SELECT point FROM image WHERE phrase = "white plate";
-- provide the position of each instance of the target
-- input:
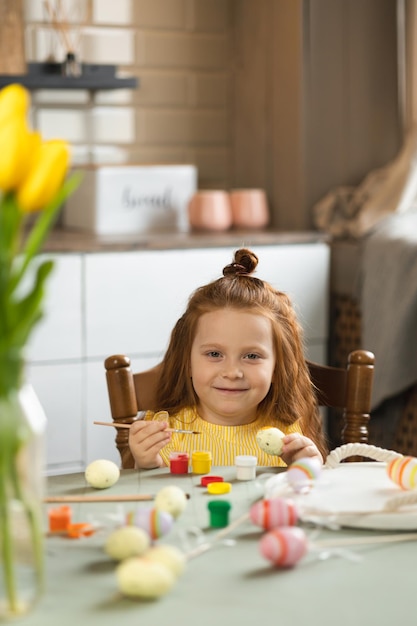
(354, 495)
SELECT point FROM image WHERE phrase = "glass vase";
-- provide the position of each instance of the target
(22, 428)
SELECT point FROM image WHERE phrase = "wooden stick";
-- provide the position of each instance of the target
(141, 497)
(169, 430)
(217, 537)
(352, 541)
(138, 497)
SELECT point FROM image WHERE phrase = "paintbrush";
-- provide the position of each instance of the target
(170, 430)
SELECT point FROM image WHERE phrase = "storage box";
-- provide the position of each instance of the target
(132, 199)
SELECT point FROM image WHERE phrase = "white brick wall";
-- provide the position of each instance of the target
(180, 50)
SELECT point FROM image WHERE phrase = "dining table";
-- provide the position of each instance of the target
(228, 583)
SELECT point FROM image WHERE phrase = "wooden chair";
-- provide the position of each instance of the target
(347, 388)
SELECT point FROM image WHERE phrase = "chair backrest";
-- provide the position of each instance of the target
(347, 388)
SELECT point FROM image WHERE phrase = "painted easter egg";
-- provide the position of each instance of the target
(101, 474)
(285, 546)
(171, 499)
(155, 523)
(403, 471)
(270, 440)
(139, 577)
(270, 514)
(302, 473)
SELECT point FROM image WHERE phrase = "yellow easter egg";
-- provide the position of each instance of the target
(170, 556)
(270, 440)
(171, 499)
(102, 474)
(139, 577)
(126, 542)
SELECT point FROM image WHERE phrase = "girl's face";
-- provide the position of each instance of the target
(232, 363)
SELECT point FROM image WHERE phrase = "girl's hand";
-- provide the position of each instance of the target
(146, 440)
(297, 446)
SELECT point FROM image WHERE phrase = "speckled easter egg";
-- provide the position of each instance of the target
(171, 499)
(403, 471)
(101, 474)
(302, 473)
(155, 523)
(127, 541)
(139, 577)
(285, 546)
(270, 514)
(270, 440)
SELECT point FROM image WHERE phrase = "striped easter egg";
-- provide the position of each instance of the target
(272, 513)
(155, 523)
(403, 471)
(285, 546)
(302, 473)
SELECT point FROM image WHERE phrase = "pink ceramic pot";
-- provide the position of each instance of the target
(210, 210)
(249, 208)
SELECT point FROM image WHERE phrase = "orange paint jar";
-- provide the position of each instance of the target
(59, 519)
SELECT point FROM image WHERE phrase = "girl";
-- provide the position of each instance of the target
(235, 364)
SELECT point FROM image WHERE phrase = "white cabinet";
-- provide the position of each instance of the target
(55, 365)
(58, 336)
(135, 307)
(60, 389)
(105, 303)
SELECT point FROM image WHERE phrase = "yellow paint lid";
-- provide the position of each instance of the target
(219, 488)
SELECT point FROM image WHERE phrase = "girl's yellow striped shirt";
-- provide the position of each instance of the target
(224, 442)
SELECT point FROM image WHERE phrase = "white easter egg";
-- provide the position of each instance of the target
(302, 474)
(171, 499)
(139, 577)
(170, 556)
(101, 474)
(155, 522)
(270, 440)
(403, 471)
(126, 541)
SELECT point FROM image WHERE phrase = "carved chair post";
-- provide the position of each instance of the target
(123, 402)
(360, 371)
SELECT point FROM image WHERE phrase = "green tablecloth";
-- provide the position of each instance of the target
(228, 584)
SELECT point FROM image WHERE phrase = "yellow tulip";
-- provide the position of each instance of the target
(17, 146)
(14, 102)
(49, 167)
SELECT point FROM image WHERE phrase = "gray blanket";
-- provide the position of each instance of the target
(388, 300)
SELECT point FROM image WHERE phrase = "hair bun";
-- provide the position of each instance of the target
(244, 263)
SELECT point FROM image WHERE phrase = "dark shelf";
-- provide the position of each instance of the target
(51, 76)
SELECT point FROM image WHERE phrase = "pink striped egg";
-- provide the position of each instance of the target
(302, 473)
(272, 513)
(403, 471)
(156, 523)
(285, 546)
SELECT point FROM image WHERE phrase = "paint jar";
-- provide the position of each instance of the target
(219, 513)
(201, 462)
(246, 467)
(178, 462)
(59, 519)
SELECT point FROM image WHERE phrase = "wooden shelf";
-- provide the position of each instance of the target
(51, 76)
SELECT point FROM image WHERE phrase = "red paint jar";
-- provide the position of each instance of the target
(178, 462)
